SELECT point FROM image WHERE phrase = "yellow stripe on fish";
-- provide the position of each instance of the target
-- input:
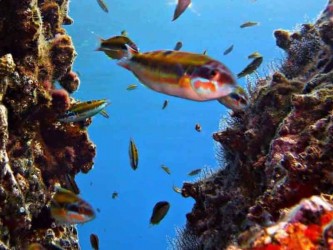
(182, 74)
(133, 154)
(83, 110)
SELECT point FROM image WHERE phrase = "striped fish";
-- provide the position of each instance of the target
(133, 155)
(83, 110)
(236, 100)
(114, 47)
(186, 75)
(66, 207)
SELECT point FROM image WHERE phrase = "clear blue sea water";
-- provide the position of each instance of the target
(162, 136)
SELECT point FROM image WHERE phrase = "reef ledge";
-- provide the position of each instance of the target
(36, 150)
(274, 191)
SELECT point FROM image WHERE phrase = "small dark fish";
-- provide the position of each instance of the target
(228, 50)
(248, 24)
(131, 86)
(178, 46)
(115, 195)
(176, 189)
(98, 210)
(133, 154)
(71, 184)
(165, 104)
(194, 172)
(254, 55)
(180, 8)
(159, 212)
(103, 5)
(198, 127)
(251, 67)
(94, 241)
(166, 169)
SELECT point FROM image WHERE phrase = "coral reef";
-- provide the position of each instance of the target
(276, 153)
(36, 150)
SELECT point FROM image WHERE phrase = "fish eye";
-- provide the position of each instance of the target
(213, 73)
(236, 97)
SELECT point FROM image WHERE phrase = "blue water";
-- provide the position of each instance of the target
(162, 136)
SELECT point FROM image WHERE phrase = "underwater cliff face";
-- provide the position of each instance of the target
(36, 150)
(278, 152)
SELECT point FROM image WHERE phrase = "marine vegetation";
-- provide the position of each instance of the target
(273, 190)
(38, 151)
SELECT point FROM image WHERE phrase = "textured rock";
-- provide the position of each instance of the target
(37, 151)
(277, 152)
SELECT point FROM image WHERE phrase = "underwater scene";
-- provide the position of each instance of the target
(171, 124)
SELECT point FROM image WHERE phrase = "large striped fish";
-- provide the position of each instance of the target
(187, 75)
(183, 74)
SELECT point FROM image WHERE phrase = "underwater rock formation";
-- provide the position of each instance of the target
(37, 151)
(276, 153)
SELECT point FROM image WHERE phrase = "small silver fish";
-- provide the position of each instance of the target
(178, 46)
(248, 24)
(131, 86)
(228, 50)
(159, 212)
(194, 172)
(180, 8)
(251, 67)
(103, 5)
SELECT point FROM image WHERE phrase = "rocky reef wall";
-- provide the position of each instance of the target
(37, 151)
(277, 153)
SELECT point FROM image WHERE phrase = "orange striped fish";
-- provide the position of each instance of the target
(67, 208)
(183, 74)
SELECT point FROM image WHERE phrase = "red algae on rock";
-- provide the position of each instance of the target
(37, 151)
(275, 154)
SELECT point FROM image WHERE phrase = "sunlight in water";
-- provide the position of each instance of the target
(191, 7)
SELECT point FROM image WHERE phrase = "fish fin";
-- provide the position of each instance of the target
(130, 51)
(100, 40)
(184, 81)
(104, 113)
(124, 61)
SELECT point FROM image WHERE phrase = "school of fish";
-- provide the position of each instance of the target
(187, 75)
